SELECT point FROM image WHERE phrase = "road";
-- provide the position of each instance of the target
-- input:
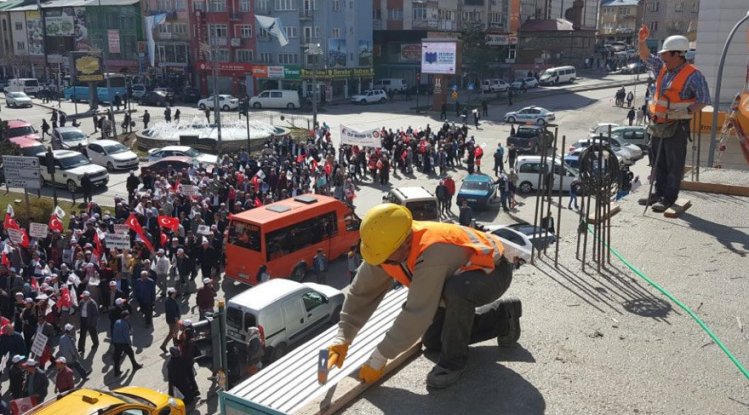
(576, 112)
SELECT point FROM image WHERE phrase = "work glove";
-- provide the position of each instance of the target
(339, 348)
(373, 370)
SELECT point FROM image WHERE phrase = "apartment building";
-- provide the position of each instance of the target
(619, 20)
(173, 52)
(670, 17)
(558, 9)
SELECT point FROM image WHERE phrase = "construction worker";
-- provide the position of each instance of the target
(680, 91)
(460, 267)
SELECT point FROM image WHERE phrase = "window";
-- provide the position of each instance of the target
(172, 53)
(335, 33)
(495, 19)
(282, 5)
(217, 31)
(300, 235)
(311, 33)
(244, 235)
(244, 31)
(288, 58)
(198, 5)
(679, 6)
(180, 5)
(179, 28)
(653, 6)
(377, 14)
(395, 14)
(262, 4)
(19, 26)
(266, 57)
(312, 300)
(308, 5)
(336, 5)
(20, 46)
(216, 5)
(292, 32)
(221, 55)
(166, 5)
(244, 55)
(420, 11)
(472, 16)
(448, 15)
(165, 28)
(654, 26)
(244, 6)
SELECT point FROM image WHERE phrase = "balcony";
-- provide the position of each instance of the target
(306, 14)
(434, 24)
(170, 14)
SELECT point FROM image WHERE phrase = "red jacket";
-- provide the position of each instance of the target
(450, 184)
(64, 380)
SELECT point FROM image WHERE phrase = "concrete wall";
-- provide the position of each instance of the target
(716, 18)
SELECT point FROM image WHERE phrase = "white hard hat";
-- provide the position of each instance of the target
(675, 44)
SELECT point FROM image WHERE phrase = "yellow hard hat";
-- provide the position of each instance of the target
(383, 230)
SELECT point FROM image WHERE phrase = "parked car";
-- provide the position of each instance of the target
(286, 311)
(166, 165)
(225, 102)
(528, 169)
(517, 246)
(28, 86)
(21, 129)
(112, 154)
(522, 231)
(18, 100)
(276, 98)
(634, 68)
(420, 201)
(28, 147)
(478, 190)
(390, 84)
(494, 86)
(138, 90)
(573, 159)
(70, 167)
(68, 138)
(530, 82)
(189, 95)
(531, 138)
(185, 151)
(155, 98)
(370, 96)
(530, 114)
(629, 152)
(128, 400)
(601, 128)
(635, 134)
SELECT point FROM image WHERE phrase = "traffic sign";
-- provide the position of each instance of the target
(22, 172)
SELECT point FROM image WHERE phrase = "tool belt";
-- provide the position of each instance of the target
(663, 130)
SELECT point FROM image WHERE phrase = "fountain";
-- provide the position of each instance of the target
(202, 136)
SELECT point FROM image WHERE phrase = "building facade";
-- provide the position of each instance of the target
(619, 20)
(558, 9)
(173, 51)
(716, 19)
(665, 18)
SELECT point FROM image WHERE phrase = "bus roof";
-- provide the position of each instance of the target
(285, 208)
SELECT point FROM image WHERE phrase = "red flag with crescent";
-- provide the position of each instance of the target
(134, 225)
(169, 222)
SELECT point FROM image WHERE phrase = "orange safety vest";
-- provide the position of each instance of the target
(670, 100)
(487, 248)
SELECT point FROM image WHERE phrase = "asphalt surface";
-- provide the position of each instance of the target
(591, 343)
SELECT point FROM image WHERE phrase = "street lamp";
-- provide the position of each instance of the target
(718, 82)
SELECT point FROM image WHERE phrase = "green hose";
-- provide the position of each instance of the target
(681, 305)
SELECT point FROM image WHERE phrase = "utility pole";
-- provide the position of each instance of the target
(216, 109)
(106, 70)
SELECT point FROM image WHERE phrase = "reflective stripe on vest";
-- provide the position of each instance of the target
(487, 248)
(661, 104)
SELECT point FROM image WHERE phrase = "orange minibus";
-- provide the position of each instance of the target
(285, 236)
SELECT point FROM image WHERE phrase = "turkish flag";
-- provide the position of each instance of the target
(65, 300)
(163, 240)
(134, 225)
(98, 247)
(10, 223)
(169, 222)
(55, 224)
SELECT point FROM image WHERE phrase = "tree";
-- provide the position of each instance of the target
(477, 55)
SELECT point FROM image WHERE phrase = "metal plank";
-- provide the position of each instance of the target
(291, 382)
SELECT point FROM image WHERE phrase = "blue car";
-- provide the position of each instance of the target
(477, 190)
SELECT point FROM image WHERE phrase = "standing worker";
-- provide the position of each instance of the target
(450, 271)
(680, 91)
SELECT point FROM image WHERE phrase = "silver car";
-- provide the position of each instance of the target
(68, 138)
(18, 100)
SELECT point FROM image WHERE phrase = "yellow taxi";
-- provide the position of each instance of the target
(130, 400)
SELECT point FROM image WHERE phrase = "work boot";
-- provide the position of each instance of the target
(661, 206)
(512, 310)
(647, 201)
(440, 377)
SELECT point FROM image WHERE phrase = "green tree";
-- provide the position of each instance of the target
(477, 55)
(6, 147)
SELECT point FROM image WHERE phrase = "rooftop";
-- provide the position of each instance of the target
(619, 3)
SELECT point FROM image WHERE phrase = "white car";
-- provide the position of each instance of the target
(530, 82)
(601, 128)
(370, 96)
(18, 100)
(138, 90)
(112, 154)
(184, 151)
(68, 138)
(225, 102)
(70, 166)
(494, 85)
(529, 115)
(628, 152)
(517, 246)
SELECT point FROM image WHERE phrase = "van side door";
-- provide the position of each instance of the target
(316, 307)
(294, 318)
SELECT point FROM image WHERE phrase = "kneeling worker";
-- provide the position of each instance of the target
(450, 270)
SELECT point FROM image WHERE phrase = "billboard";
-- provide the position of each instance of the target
(86, 67)
(438, 57)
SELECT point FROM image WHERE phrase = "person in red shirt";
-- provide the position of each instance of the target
(64, 380)
(450, 184)
(478, 153)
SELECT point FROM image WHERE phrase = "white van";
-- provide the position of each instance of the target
(285, 311)
(553, 76)
(390, 84)
(529, 167)
(494, 85)
(420, 201)
(276, 98)
(28, 85)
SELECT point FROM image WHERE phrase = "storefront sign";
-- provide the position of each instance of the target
(500, 40)
(338, 73)
(369, 138)
(227, 66)
(291, 72)
(86, 67)
(260, 71)
(275, 72)
(113, 37)
(410, 52)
